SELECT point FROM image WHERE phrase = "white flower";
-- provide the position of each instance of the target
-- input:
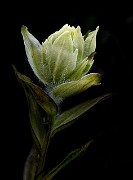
(63, 60)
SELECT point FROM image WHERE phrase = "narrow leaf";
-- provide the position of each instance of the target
(69, 158)
(68, 117)
(41, 97)
(38, 126)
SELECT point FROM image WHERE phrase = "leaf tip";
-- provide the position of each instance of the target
(23, 28)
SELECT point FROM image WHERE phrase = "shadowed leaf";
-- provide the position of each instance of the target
(38, 127)
(35, 103)
(41, 97)
(77, 153)
(70, 116)
(68, 89)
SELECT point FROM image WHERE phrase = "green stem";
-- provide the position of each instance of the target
(31, 165)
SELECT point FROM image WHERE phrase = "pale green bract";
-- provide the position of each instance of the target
(63, 60)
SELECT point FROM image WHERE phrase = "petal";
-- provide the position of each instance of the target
(82, 68)
(62, 57)
(77, 73)
(75, 87)
(90, 43)
(47, 59)
(78, 41)
(56, 34)
(34, 54)
(90, 61)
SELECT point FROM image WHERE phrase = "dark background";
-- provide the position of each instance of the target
(109, 123)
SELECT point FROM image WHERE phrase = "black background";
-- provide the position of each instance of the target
(109, 123)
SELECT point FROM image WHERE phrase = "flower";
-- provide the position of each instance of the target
(62, 62)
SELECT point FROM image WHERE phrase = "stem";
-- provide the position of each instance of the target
(31, 165)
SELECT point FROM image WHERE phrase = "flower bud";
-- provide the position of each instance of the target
(62, 62)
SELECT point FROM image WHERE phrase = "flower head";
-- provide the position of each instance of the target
(63, 60)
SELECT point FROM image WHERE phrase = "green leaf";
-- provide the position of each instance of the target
(38, 127)
(75, 87)
(41, 97)
(70, 116)
(69, 158)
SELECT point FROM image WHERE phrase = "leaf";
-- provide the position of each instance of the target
(41, 97)
(69, 158)
(38, 126)
(75, 87)
(70, 116)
